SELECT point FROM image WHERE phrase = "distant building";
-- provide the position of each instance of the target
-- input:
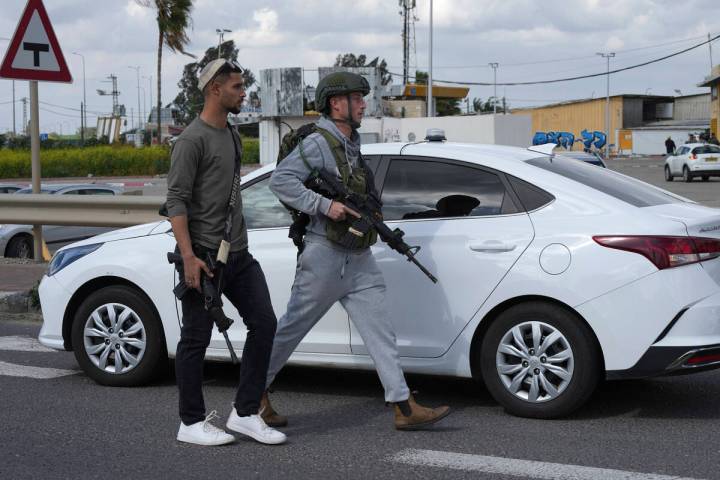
(639, 124)
(713, 81)
(168, 121)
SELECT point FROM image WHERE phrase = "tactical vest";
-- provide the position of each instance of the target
(355, 180)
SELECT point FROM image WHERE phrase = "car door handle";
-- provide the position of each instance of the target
(491, 246)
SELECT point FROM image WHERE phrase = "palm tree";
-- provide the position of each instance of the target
(173, 18)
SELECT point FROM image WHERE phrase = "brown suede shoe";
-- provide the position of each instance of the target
(269, 415)
(411, 416)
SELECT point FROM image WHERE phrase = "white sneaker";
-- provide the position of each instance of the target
(204, 433)
(254, 426)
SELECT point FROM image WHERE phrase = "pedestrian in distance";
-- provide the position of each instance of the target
(331, 269)
(207, 221)
(669, 146)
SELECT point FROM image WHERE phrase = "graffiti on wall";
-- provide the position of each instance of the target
(566, 140)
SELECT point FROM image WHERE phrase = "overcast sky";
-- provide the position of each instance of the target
(530, 40)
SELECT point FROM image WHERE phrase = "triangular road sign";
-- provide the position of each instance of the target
(34, 52)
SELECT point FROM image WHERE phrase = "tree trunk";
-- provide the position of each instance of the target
(159, 83)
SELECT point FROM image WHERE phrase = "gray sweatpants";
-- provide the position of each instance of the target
(326, 274)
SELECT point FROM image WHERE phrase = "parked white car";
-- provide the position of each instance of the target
(553, 274)
(17, 240)
(693, 160)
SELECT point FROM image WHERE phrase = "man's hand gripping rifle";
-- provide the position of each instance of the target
(369, 209)
(211, 295)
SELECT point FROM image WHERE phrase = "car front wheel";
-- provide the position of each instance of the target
(539, 360)
(668, 175)
(117, 338)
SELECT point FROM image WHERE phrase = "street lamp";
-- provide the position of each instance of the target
(608, 56)
(494, 66)
(221, 34)
(137, 72)
(430, 109)
(149, 78)
(84, 112)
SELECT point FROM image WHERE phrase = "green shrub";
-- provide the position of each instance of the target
(101, 161)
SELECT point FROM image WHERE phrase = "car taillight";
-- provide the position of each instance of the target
(666, 251)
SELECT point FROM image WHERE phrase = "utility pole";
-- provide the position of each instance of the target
(25, 121)
(710, 47)
(221, 34)
(408, 6)
(607, 56)
(83, 115)
(151, 105)
(137, 72)
(494, 66)
(430, 106)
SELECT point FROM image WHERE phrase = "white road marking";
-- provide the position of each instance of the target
(22, 344)
(41, 373)
(519, 468)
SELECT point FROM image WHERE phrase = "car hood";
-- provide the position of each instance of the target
(121, 234)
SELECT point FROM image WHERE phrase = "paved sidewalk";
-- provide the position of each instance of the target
(17, 278)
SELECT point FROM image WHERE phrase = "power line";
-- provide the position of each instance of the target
(539, 82)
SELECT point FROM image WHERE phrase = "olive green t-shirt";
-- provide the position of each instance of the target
(202, 167)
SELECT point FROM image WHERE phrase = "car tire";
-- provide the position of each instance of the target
(668, 175)
(686, 175)
(705, 178)
(560, 382)
(20, 246)
(129, 353)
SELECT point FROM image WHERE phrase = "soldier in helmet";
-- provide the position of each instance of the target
(329, 271)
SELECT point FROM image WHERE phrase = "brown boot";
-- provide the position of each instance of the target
(411, 416)
(269, 415)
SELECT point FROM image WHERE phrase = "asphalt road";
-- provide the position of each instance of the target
(70, 427)
(57, 423)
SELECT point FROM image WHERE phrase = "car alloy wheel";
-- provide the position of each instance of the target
(118, 338)
(539, 360)
(535, 362)
(114, 338)
(668, 175)
(20, 246)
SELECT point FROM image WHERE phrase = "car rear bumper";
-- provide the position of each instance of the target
(690, 343)
(659, 361)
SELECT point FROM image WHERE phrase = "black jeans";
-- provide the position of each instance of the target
(247, 290)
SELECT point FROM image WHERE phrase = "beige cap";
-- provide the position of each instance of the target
(211, 69)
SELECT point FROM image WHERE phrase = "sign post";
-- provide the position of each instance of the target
(34, 54)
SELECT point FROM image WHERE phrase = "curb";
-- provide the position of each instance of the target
(16, 302)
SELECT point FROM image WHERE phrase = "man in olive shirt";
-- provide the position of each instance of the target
(199, 185)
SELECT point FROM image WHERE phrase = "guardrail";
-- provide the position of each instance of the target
(87, 210)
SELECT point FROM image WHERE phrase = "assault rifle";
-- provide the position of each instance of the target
(211, 297)
(369, 209)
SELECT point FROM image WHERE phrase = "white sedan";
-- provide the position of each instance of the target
(553, 274)
(693, 160)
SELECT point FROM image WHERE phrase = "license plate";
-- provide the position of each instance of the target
(711, 159)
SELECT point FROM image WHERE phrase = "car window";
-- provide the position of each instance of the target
(372, 161)
(96, 191)
(261, 208)
(706, 149)
(531, 196)
(434, 189)
(611, 183)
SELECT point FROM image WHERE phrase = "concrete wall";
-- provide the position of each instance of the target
(652, 142)
(512, 130)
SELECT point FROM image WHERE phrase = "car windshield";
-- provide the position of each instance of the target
(611, 183)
